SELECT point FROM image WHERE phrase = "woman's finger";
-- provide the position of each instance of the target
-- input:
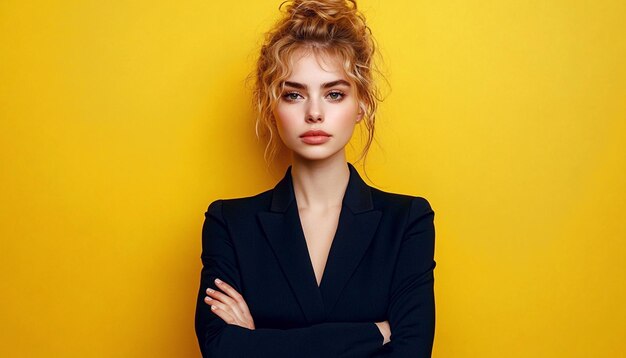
(220, 296)
(243, 312)
(229, 290)
(231, 305)
(234, 294)
(218, 308)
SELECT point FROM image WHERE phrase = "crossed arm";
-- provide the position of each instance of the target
(228, 330)
(232, 308)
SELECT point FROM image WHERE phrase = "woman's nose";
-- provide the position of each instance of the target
(314, 117)
(314, 112)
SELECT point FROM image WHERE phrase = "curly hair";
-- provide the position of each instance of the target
(332, 27)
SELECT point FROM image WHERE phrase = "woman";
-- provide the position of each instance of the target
(322, 265)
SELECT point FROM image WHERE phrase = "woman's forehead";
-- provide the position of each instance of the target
(327, 61)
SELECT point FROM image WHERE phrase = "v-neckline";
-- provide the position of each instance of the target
(306, 245)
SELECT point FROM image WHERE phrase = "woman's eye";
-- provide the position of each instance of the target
(291, 96)
(335, 96)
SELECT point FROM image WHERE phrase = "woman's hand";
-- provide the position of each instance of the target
(385, 330)
(229, 306)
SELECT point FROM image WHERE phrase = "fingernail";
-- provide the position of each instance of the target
(210, 290)
(213, 308)
(207, 298)
(218, 281)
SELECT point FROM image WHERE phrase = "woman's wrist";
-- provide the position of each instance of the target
(385, 331)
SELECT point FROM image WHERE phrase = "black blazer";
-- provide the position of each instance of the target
(380, 267)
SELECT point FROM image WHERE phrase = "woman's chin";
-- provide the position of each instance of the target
(315, 155)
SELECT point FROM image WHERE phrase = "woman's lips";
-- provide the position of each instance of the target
(315, 137)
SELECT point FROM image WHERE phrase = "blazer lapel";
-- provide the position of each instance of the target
(355, 230)
(284, 233)
(357, 224)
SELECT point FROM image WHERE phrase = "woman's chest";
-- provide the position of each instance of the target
(278, 278)
(281, 288)
(275, 303)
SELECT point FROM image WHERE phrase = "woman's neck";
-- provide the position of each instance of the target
(320, 184)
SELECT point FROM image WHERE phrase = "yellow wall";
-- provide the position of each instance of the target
(121, 120)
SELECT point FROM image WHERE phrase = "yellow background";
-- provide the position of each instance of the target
(120, 121)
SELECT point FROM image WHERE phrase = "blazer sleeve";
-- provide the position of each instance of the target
(411, 310)
(219, 339)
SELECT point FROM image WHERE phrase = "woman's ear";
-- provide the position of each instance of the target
(361, 113)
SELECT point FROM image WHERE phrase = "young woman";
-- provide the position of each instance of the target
(322, 265)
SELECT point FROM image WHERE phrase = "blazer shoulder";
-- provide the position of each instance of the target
(416, 211)
(413, 203)
(240, 205)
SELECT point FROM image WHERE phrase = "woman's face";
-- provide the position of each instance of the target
(317, 96)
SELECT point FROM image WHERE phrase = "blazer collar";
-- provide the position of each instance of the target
(357, 224)
(357, 197)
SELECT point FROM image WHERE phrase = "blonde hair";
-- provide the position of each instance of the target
(332, 27)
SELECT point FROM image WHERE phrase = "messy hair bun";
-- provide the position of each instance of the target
(333, 27)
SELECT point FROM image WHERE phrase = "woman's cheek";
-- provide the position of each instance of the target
(286, 125)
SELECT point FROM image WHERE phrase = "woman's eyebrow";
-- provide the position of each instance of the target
(324, 85)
